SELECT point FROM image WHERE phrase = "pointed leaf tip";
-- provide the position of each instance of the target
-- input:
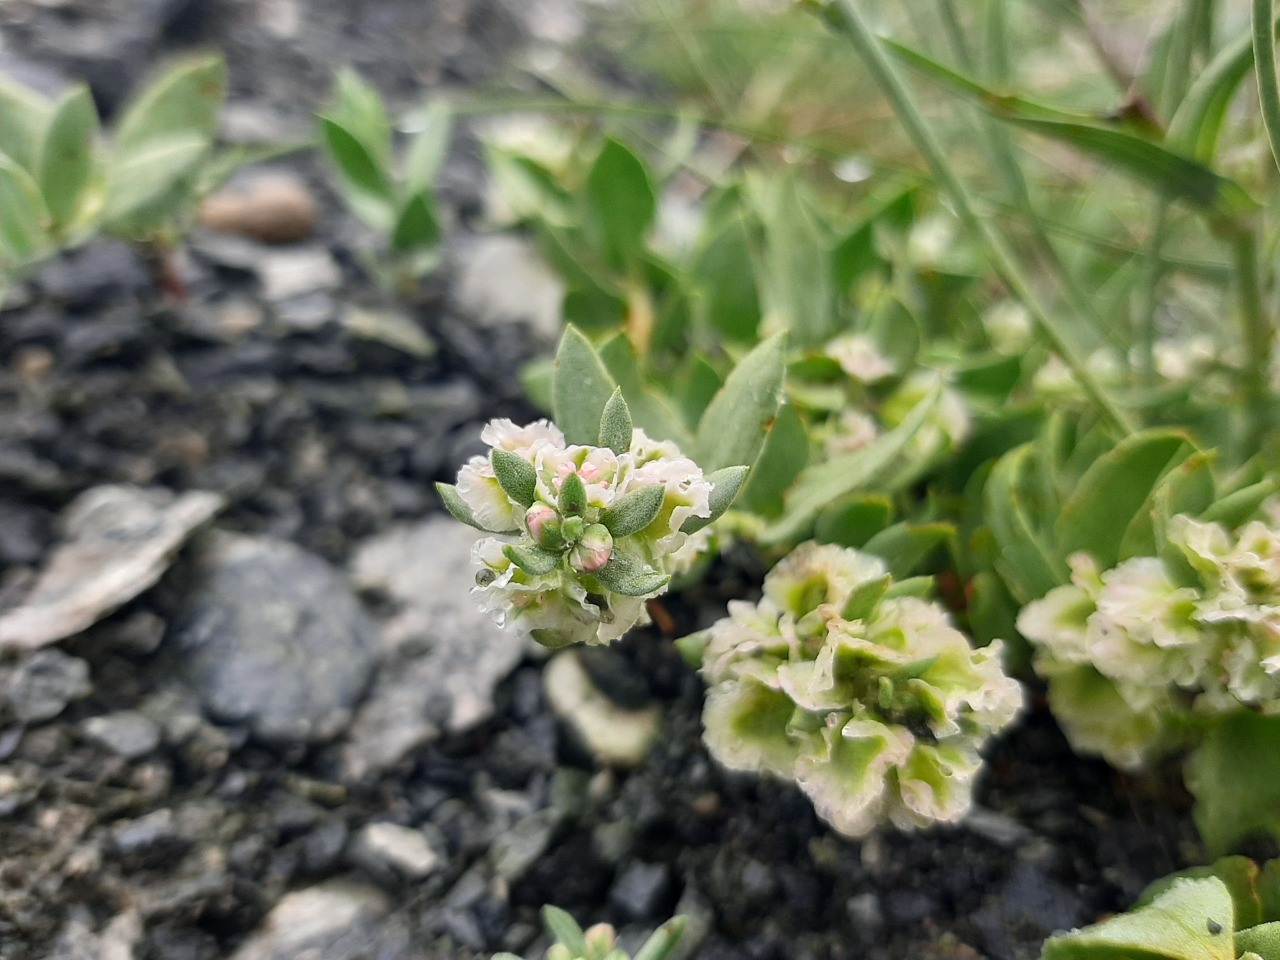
(515, 475)
(615, 424)
(635, 511)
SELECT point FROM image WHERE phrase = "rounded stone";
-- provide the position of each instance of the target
(272, 637)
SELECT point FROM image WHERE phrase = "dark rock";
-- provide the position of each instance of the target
(322, 847)
(1029, 906)
(272, 637)
(150, 839)
(641, 889)
(44, 683)
(100, 272)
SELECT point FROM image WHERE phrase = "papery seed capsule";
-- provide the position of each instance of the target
(594, 549)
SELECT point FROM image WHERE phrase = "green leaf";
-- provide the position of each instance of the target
(429, 146)
(634, 512)
(573, 496)
(904, 546)
(581, 389)
(623, 575)
(691, 648)
(1026, 563)
(416, 227)
(863, 598)
(1234, 775)
(725, 279)
(22, 213)
(734, 426)
(1165, 171)
(66, 157)
(621, 202)
(854, 257)
(362, 180)
(725, 484)
(826, 482)
(1243, 880)
(794, 272)
(615, 424)
(181, 104)
(24, 117)
(515, 475)
(663, 942)
(1197, 123)
(651, 409)
(145, 175)
(1192, 920)
(565, 929)
(852, 521)
(1240, 506)
(459, 510)
(1112, 492)
(1263, 940)
(357, 107)
(783, 458)
(531, 559)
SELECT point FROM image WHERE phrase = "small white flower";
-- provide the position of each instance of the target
(860, 358)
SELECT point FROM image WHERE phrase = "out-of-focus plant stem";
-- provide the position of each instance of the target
(850, 21)
(1264, 59)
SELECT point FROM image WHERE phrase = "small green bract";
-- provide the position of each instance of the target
(864, 695)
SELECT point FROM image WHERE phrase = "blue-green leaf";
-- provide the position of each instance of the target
(734, 426)
(66, 156)
(621, 201)
(615, 425)
(581, 388)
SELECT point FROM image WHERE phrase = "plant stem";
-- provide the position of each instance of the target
(1255, 334)
(998, 252)
(1150, 302)
(1264, 59)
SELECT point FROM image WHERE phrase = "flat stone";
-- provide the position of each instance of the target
(447, 656)
(391, 327)
(615, 736)
(129, 734)
(297, 271)
(272, 637)
(503, 279)
(118, 541)
(44, 683)
(320, 921)
(402, 850)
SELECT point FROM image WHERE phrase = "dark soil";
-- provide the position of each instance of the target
(323, 438)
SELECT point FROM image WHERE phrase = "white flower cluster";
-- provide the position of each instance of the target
(868, 698)
(588, 535)
(1135, 654)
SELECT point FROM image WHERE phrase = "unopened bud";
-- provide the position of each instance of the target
(572, 529)
(600, 939)
(594, 549)
(543, 524)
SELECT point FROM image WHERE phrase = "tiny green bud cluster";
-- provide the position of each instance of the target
(1135, 654)
(583, 534)
(600, 942)
(855, 688)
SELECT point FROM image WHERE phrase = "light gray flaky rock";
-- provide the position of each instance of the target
(118, 541)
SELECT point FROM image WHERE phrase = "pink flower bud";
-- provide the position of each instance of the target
(593, 550)
(543, 524)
